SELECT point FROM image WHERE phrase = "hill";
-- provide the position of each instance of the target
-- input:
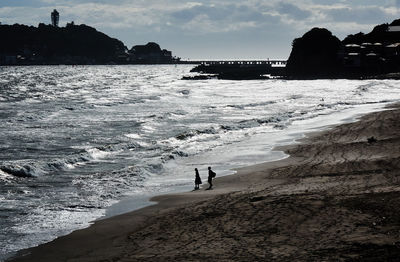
(320, 54)
(314, 54)
(46, 44)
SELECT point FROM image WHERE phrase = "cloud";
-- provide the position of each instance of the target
(216, 13)
(257, 24)
(201, 15)
(228, 12)
(361, 15)
(24, 15)
(293, 11)
(23, 3)
(212, 18)
(355, 3)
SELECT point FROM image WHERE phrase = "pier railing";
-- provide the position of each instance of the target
(242, 62)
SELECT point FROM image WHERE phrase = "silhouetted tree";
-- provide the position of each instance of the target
(380, 34)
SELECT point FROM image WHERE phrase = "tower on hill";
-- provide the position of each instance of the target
(55, 17)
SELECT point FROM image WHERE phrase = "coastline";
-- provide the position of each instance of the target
(131, 203)
(113, 237)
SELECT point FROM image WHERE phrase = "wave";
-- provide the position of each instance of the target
(4, 175)
(40, 168)
(116, 147)
(24, 168)
(133, 136)
(256, 122)
(97, 154)
(243, 106)
(192, 133)
(295, 97)
(282, 120)
(364, 88)
(185, 92)
(22, 171)
(181, 145)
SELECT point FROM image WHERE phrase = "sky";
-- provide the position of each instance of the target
(209, 29)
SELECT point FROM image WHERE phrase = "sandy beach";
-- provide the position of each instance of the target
(336, 198)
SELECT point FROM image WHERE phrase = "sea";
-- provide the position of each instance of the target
(82, 143)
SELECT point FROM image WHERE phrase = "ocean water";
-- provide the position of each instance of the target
(76, 140)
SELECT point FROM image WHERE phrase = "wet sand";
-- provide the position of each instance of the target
(337, 198)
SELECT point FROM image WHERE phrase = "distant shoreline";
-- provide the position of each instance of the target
(243, 76)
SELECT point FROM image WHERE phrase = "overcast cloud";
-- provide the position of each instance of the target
(209, 28)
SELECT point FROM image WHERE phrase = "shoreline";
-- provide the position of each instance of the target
(104, 230)
(277, 153)
(115, 229)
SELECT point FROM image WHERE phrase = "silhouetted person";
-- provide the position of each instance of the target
(197, 180)
(211, 175)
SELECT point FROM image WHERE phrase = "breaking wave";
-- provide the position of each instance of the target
(28, 168)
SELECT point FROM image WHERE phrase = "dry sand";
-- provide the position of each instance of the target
(337, 198)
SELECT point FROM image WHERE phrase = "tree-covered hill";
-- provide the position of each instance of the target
(320, 54)
(48, 44)
(380, 34)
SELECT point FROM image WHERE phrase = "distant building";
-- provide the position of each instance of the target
(392, 50)
(372, 57)
(352, 48)
(55, 18)
(352, 60)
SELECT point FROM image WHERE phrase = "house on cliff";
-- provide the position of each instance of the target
(392, 50)
(372, 56)
(375, 52)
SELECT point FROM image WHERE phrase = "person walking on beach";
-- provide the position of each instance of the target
(211, 175)
(197, 180)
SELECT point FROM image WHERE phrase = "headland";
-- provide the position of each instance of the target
(319, 54)
(73, 45)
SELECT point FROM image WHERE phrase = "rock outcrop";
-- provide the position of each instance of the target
(315, 54)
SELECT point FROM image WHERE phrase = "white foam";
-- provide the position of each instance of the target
(71, 166)
(4, 176)
(97, 154)
(133, 135)
(148, 128)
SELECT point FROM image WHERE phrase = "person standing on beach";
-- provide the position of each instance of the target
(197, 180)
(211, 175)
